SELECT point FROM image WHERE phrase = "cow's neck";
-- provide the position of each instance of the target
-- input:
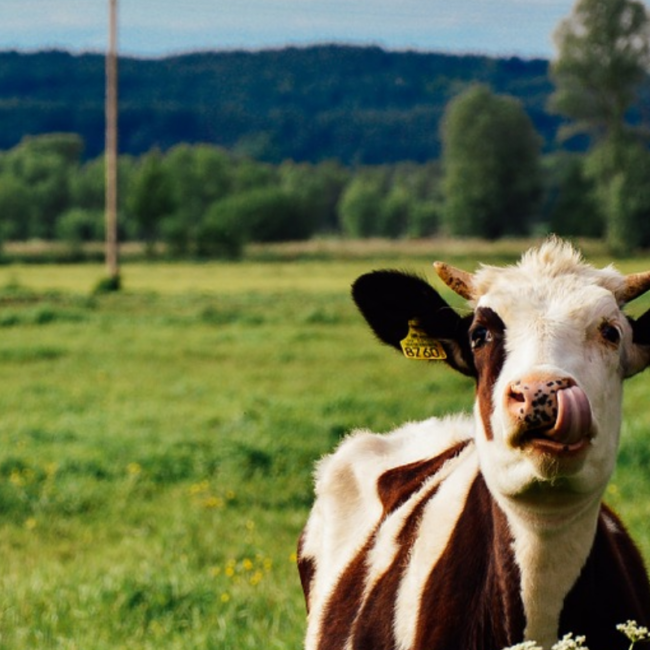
(550, 556)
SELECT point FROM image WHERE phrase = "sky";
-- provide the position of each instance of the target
(153, 28)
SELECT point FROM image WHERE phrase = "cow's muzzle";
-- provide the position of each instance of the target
(551, 414)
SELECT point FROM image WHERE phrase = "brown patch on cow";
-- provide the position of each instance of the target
(612, 588)
(396, 485)
(306, 569)
(488, 360)
(344, 603)
(472, 596)
(342, 612)
(374, 628)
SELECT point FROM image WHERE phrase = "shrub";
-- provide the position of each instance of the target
(78, 225)
(219, 236)
(263, 215)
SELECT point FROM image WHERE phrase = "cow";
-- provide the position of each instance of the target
(484, 530)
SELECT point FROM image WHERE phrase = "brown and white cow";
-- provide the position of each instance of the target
(479, 532)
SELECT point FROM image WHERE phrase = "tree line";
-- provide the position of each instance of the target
(202, 200)
(358, 105)
(493, 178)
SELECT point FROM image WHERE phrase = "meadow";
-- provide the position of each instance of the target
(158, 443)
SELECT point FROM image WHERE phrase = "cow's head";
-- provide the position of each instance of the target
(549, 348)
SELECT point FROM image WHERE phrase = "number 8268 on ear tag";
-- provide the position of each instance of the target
(418, 345)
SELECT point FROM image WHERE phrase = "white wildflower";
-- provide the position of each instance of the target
(526, 645)
(567, 642)
(633, 631)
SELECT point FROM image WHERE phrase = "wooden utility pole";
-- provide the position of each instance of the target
(112, 263)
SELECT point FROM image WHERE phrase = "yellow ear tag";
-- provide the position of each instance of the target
(418, 345)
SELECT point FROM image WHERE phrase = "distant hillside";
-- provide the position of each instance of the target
(356, 104)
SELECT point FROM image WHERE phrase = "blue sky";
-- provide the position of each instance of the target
(159, 27)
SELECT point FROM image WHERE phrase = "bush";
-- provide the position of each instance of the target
(263, 215)
(78, 225)
(219, 237)
(176, 234)
(424, 219)
(361, 205)
(395, 213)
(108, 284)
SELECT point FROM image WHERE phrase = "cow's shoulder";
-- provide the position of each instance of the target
(366, 464)
(367, 477)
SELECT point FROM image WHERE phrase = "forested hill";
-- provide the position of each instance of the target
(356, 104)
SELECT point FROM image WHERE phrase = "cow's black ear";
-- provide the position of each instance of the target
(390, 299)
(638, 357)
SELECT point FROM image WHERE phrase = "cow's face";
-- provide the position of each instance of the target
(549, 347)
(550, 354)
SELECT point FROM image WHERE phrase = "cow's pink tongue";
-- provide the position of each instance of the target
(573, 416)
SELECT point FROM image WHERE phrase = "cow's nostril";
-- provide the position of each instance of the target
(516, 395)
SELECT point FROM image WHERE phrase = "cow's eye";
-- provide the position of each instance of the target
(610, 333)
(479, 336)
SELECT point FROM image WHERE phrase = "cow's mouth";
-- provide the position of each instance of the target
(542, 442)
(572, 431)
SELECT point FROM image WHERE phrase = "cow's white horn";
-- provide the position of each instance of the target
(636, 284)
(456, 279)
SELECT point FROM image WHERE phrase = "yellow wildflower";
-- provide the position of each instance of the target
(198, 488)
(213, 502)
(16, 478)
(133, 469)
(256, 578)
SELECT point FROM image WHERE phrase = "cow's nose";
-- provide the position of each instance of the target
(550, 408)
(533, 401)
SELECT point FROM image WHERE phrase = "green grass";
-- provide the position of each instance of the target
(158, 444)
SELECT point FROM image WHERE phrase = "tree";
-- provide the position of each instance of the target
(572, 207)
(16, 208)
(603, 57)
(150, 198)
(492, 178)
(395, 213)
(46, 164)
(625, 197)
(318, 189)
(361, 203)
(198, 176)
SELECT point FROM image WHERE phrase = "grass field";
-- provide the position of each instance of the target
(158, 444)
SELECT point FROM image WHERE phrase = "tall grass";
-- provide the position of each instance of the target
(158, 445)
